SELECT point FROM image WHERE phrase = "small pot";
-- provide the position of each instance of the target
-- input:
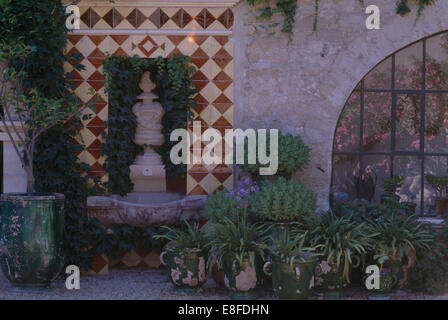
(387, 281)
(291, 282)
(330, 279)
(240, 278)
(186, 268)
(441, 206)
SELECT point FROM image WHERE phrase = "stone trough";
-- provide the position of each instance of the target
(144, 209)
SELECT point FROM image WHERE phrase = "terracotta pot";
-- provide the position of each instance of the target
(294, 282)
(186, 267)
(240, 278)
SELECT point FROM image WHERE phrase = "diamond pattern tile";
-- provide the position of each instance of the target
(156, 18)
(211, 55)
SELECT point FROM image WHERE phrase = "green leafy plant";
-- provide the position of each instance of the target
(289, 247)
(398, 237)
(293, 156)
(191, 238)
(236, 239)
(339, 239)
(175, 90)
(430, 273)
(220, 205)
(392, 184)
(283, 201)
(439, 183)
(403, 6)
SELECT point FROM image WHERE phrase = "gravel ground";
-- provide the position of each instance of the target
(150, 285)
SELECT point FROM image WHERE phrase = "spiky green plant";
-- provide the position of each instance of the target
(236, 238)
(339, 239)
(191, 238)
(283, 201)
(397, 237)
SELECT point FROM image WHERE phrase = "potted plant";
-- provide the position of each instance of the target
(31, 253)
(340, 241)
(391, 186)
(238, 246)
(395, 242)
(291, 266)
(185, 256)
(440, 185)
(282, 202)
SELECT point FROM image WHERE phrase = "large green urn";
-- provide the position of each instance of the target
(31, 238)
(292, 281)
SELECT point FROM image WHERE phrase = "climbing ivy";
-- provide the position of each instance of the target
(175, 90)
(57, 169)
(288, 8)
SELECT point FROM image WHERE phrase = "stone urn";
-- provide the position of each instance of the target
(148, 172)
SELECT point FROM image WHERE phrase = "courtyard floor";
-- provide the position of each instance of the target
(151, 284)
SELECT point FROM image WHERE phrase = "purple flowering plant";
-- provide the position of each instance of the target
(242, 192)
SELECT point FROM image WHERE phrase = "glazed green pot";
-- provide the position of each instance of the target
(330, 280)
(240, 278)
(186, 267)
(387, 280)
(31, 238)
(294, 282)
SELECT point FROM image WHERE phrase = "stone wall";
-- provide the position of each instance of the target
(302, 86)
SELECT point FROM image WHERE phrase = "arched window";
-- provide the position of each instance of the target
(396, 123)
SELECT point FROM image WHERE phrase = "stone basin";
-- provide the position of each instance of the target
(144, 209)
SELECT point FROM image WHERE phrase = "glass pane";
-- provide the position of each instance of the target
(436, 122)
(347, 132)
(345, 171)
(436, 62)
(407, 136)
(376, 168)
(377, 121)
(435, 166)
(380, 77)
(409, 67)
(410, 169)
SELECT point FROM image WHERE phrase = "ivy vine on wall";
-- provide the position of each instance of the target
(175, 90)
(288, 8)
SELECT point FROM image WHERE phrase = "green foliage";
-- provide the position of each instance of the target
(175, 90)
(288, 8)
(339, 239)
(192, 238)
(439, 183)
(430, 273)
(220, 205)
(42, 28)
(392, 184)
(398, 237)
(403, 6)
(293, 156)
(236, 239)
(283, 201)
(289, 247)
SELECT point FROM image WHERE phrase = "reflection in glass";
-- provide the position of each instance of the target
(436, 122)
(345, 171)
(347, 132)
(409, 67)
(407, 134)
(437, 166)
(410, 169)
(377, 121)
(375, 169)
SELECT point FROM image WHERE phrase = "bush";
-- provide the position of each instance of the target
(220, 205)
(283, 201)
(431, 269)
(293, 156)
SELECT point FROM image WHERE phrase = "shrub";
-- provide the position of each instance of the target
(392, 184)
(220, 205)
(293, 156)
(283, 201)
(430, 273)
(439, 183)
